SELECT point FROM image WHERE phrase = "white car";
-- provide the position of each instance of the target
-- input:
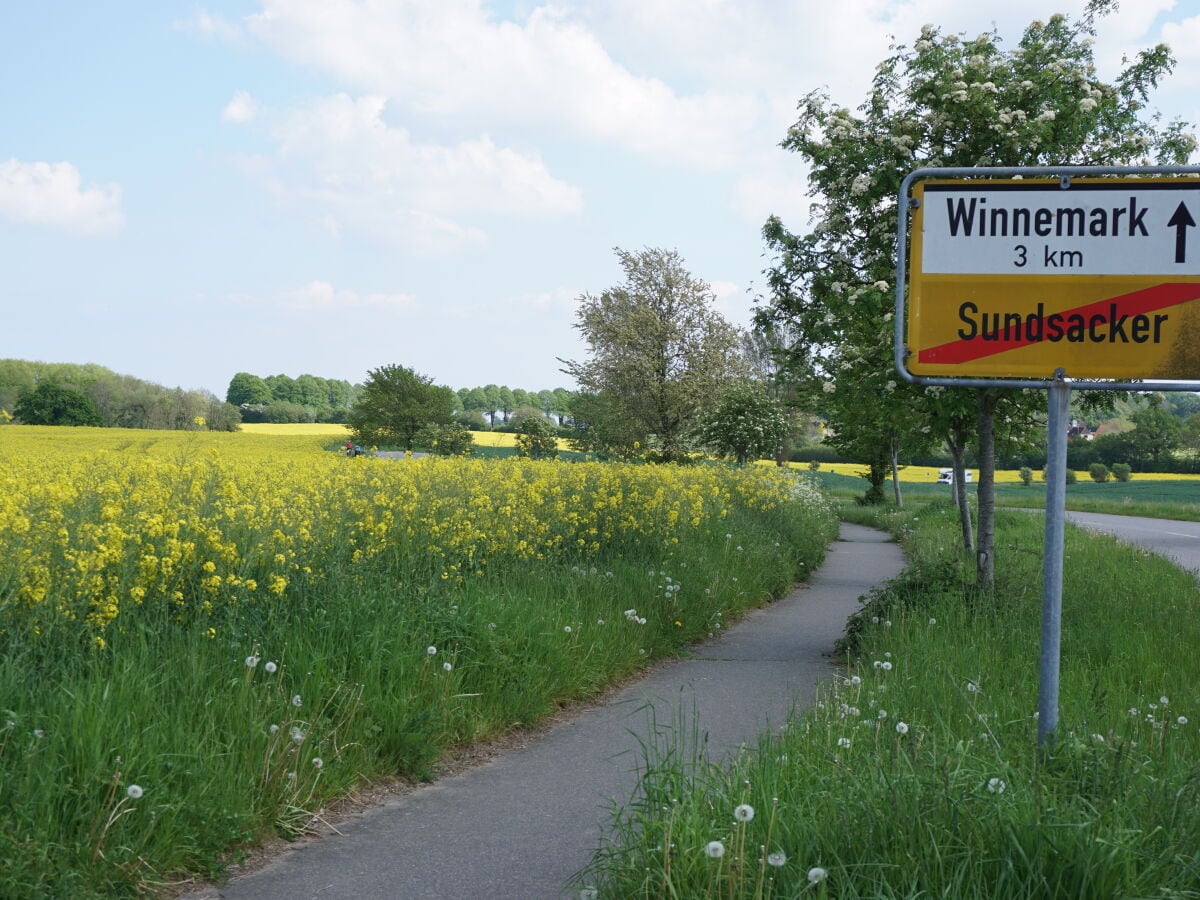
(946, 476)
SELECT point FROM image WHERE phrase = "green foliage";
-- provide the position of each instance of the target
(601, 428)
(659, 351)
(1099, 472)
(53, 404)
(1071, 477)
(745, 424)
(281, 398)
(945, 100)
(537, 439)
(1121, 471)
(395, 404)
(245, 388)
(121, 401)
(446, 440)
(1155, 433)
(1026, 475)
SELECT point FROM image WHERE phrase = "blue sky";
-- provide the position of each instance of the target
(190, 190)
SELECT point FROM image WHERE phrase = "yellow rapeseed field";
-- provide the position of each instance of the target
(97, 524)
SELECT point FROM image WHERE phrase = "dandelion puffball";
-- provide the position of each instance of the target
(715, 849)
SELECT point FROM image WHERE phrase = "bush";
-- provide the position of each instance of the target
(537, 439)
(1070, 476)
(1121, 471)
(446, 440)
(1099, 472)
(1026, 474)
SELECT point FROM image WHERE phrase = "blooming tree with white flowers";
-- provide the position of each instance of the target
(945, 101)
(746, 423)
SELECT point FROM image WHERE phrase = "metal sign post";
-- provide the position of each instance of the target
(1058, 397)
(1020, 275)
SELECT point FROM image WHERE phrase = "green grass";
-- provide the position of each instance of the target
(226, 753)
(1158, 499)
(1178, 500)
(956, 802)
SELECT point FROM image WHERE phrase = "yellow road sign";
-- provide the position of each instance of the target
(1017, 278)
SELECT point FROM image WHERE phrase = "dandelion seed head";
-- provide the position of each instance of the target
(1182, 720)
(843, 742)
(134, 792)
(251, 662)
(271, 668)
(714, 849)
(431, 650)
(273, 729)
(901, 728)
(297, 701)
(318, 763)
(447, 666)
(996, 786)
(743, 812)
(816, 875)
(776, 859)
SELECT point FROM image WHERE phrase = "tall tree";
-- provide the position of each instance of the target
(247, 388)
(659, 351)
(395, 404)
(507, 402)
(53, 404)
(747, 423)
(945, 101)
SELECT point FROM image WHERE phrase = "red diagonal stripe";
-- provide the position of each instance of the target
(1146, 300)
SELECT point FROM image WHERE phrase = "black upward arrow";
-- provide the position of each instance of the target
(1181, 221)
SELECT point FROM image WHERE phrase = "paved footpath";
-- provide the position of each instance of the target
(519, 826)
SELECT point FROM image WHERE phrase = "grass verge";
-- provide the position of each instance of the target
(207, 721)
(917, 773)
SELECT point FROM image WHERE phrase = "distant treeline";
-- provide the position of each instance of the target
(100, 396)
(97, 395)
(310, 398)
(281, 398)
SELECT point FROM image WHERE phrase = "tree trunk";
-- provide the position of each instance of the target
(896, 474)
(985, 568)
(958, 444)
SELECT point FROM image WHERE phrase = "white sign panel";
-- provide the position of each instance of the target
(1094, 227)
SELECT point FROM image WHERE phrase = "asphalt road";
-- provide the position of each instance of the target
(519, 826)
(1178, 541)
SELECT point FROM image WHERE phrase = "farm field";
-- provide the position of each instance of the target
(490, 439)
(204, 637)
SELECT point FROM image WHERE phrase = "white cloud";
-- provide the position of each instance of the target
(241, 108)
(210, 26)
(340, 162)
(321, 296)
(768, 191)
(53, 194)
(452, 58)
(1182, 38)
